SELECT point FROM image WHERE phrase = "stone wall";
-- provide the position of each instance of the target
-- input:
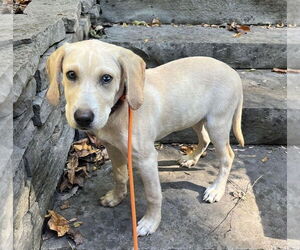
(41, 135)
(6, 189)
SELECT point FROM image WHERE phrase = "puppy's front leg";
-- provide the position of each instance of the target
(119, 167)
(147, 166)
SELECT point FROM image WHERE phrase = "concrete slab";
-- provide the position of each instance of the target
(187, 222)
(259, 48)
(196, 12)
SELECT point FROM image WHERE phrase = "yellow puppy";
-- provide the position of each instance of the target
(198, 92)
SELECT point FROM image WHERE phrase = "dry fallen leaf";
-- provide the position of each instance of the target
(280, 25)
(187, 149)
(243, 28)
(77, 223)
(237, 35)
(284, 71)
(22, 1)
(58, 223)
(265, 159)
(83, 149)
(140, 23)
(19, 5)
(71, 166)
(238, 29)
(155, 22)
(94, 140)
(81, 155)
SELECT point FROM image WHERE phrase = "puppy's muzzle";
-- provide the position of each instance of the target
(84, 118)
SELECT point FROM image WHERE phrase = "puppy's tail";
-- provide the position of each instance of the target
(237, 122)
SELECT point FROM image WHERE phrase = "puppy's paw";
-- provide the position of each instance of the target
(190, 160)
(214, 193)
(148, 225)
(112, 198)
(187, 161)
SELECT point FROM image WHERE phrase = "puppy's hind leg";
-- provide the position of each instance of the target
(203, 141)
(119, 167)
(220, 138)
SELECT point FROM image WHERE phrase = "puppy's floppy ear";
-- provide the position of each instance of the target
(133, 74)
(54, 68)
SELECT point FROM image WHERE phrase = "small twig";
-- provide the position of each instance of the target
(257, 180)
(229, 212)
(235, 205)
(230, 225)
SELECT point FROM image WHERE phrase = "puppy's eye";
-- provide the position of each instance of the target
(105, 79)
(71, 75)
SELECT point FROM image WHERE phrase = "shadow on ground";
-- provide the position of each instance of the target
(259, 221)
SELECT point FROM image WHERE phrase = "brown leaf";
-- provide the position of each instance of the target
(77, 224)
(94, 140)
(155, 22)
(280, 25)
(265, 159)
(187, 149)
(140, 23)
(65, 205)
(58, 223)
(243, 28)
(284, 71)
(238, 29)
(71, 166)
(23, 1)
(231, 27)
(83, 149)
(237, 35)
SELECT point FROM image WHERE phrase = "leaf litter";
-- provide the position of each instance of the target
(58, 223)
(85, 155)
(285, 71)
(238, 29)
(63, 227)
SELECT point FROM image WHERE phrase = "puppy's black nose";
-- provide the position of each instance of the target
(84, 118)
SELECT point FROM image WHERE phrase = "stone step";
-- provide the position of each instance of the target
(197, 12)
(264, 113)
(259, 48)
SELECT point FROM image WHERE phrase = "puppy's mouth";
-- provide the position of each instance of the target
(84, 128)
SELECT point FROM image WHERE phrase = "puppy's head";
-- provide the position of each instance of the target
(94, 75)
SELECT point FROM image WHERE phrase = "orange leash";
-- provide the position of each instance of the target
(131, 181)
